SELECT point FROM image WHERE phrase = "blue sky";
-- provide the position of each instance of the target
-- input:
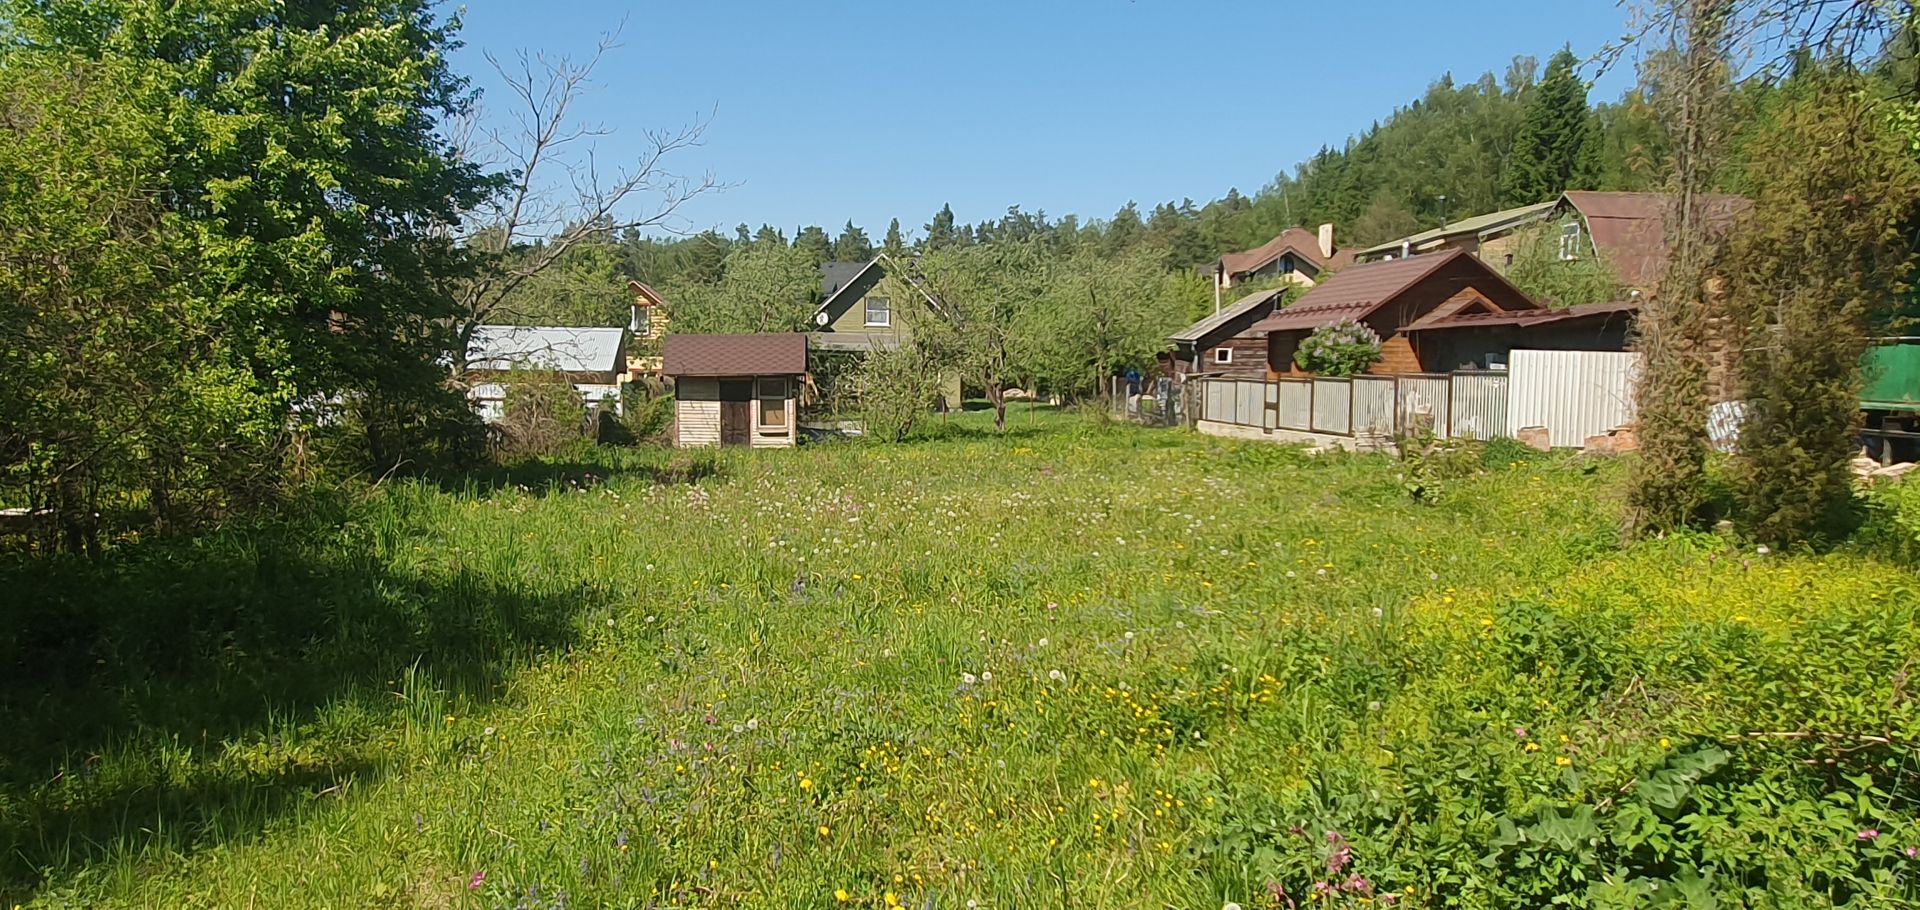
(824, 112)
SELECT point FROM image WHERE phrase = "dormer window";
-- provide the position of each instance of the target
(1570, 241)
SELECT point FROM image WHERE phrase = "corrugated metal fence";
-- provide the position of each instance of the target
(1574, 394)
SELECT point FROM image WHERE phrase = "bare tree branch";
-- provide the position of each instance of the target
(557, 194)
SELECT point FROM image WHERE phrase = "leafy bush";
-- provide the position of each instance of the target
(895, 388)
(543, 415)
(1345, 348)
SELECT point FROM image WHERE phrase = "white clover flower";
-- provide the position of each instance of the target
(969, 678)
(753, 723)
(986, 676)
(1043, 642)
(1762, 550)
(1056, 676)
(1129, 635)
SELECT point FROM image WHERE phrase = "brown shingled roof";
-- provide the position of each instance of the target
(766, 354)
(1355, 292)
(1300, 241)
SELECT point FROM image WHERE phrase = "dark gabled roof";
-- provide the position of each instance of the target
(1355, 292)
(841, 278)
(1296, 240)
(1528, 317)
(1193, 333)
(765, 354)
(837, 275)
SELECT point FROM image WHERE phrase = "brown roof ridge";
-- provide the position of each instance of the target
(1295, 238)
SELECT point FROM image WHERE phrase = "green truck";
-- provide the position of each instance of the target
(1890, 400)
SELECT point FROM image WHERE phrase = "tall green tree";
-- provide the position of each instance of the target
(852, 245)
(766, 288)
(980, 296)
(300, 150)
(1835, 166)
(812, 241)
(941, 230)
(894, 245)
(1556, 149)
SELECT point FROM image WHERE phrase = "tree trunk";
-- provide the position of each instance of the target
(998, 396)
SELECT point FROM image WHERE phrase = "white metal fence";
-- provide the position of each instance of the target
(1574, 394)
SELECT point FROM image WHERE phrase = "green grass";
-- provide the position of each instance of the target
(1072, 666)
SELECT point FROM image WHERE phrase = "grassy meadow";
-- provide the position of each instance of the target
(1070, 666)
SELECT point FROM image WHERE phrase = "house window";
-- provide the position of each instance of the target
(642, 320)
(1286, 264)
(1222, 355)
(772, 395)
(879, 311)
(1570, 241)
(1508, 260)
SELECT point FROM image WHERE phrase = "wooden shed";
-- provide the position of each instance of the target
(736, 390)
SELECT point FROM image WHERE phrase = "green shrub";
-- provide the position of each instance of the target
(1345, 348)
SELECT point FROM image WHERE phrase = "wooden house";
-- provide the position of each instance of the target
(649, 322)
(593, 360)
(1294, 255)
(1391, 297)
(736, 390)
(1220, 344)
(858, 313)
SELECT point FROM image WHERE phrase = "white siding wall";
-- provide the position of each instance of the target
(697, 408)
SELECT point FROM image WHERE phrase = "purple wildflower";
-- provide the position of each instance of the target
(1355, 883)
(1912, 852)
(1869, 834)
(1340, 855)
(1520, 732)
(474, 880)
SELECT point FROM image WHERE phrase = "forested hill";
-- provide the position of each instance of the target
(1459, 149)
(1444, 154)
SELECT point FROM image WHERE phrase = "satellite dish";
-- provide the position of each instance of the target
(820, 318)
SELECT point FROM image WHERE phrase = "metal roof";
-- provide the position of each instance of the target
(1355, 291)
(566, 349)
(1214, 321)
(1473, 225)
(763, 354)
(1527, 317)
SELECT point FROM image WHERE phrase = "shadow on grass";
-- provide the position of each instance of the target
(170, 694)
(592, 466)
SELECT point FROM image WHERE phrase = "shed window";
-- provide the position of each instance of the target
(879, 311)
(1570, 241)
(772, 395)
(1222, 355)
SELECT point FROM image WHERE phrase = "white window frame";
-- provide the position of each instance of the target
(761, 397)
(886, 315)
(642, 321)
(1222, 355)
(1570, 241)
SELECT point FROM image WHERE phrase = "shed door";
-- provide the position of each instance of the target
(736, 412)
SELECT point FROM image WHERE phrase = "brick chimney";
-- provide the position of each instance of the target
(1326, 241)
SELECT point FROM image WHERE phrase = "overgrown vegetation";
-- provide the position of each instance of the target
(987, 668)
